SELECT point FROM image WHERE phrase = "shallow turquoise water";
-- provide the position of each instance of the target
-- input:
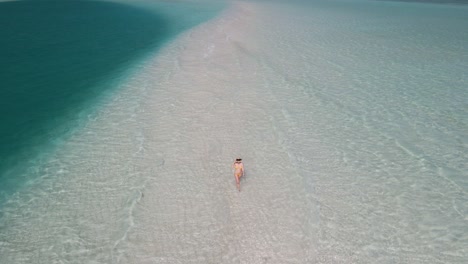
(354, 134)
(385, 88)
(59, 59)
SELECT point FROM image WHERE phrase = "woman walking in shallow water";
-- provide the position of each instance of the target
(238, 171)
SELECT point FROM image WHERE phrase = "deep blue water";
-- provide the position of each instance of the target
(57, 58)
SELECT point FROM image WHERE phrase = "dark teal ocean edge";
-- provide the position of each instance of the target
(57, 57)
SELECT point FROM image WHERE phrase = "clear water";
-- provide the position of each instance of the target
(383, 86)
(59, 59)
(351, 118)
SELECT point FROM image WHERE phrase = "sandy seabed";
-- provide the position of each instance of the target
(149, 179)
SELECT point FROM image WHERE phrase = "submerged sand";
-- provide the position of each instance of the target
(149, 179)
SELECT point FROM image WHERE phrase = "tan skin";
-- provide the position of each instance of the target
(238, 171)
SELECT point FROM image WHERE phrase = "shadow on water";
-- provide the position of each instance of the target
(54, 56)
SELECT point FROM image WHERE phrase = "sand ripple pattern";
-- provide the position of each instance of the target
(347, 158)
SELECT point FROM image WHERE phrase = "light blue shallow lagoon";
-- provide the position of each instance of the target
(59, 59)
(386, 84)
(119, 126)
